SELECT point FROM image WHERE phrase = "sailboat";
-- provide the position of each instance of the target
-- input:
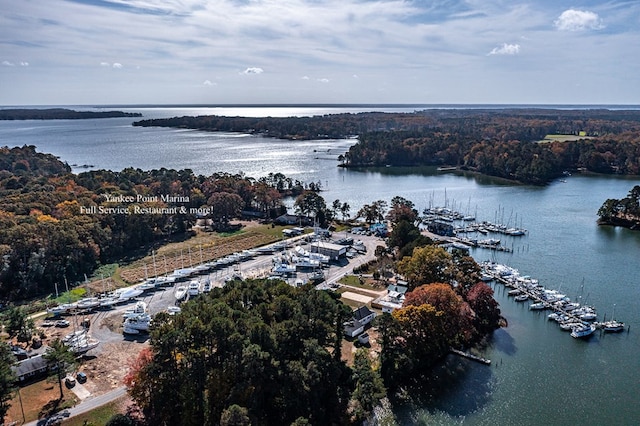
(612, 326)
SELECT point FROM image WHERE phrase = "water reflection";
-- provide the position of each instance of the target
(457, 387)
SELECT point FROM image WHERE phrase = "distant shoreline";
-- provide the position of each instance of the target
(59, 114)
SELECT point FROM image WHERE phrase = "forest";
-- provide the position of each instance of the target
(263, 352)
(506, 143)
(59, 114)
(52, 229)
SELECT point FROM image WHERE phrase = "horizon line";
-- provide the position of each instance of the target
(323, 105)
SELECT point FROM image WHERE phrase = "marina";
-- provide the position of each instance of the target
(570, 316)
(563, 245)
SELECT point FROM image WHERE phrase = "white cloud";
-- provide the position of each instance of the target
(24, 64)
(8, 64)
(209, 83)
(306, 77)
(323, 80)
(117, 65)
(578, 20)
(105, 64)
(253, 70)
(506, 49)
(355, 76)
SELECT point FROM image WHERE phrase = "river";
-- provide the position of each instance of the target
(539, 374)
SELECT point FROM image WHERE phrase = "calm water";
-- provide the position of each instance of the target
(540, 375)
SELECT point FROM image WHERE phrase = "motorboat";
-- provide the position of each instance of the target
(284, 269)
(163, 281)
(583, 330)
(130, 330)
(569, 325)
(537, 306)
(194, 288)
(172, 310)
(181, 292)
(139, 322)
(129, 293)
(139, 308)
(109, 302)
(62, 309)
(88, 303)
(147, 285)
(521, 298)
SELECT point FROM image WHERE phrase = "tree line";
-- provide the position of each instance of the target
(57, 226)
(503, 143)
(59, 114)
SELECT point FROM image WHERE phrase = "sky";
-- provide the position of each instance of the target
(115, 52)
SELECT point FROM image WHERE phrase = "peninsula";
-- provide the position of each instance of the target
(513, 144)
(59, 114)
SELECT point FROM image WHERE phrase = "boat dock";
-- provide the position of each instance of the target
(470, 356)
(571, 316)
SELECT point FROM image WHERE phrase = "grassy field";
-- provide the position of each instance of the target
(564, 138)
(100, 416)
(38, 400)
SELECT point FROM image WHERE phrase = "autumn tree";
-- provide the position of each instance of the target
(487, 312)
(456, 314)
(426, 265)
(225, 206)
(402, 210)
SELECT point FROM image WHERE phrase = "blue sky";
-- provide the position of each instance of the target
(76, 52)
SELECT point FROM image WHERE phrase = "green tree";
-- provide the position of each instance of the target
(428, 264)
(373, 212)
(61, 361)
(18, 324)
(369, 388)
(310, 203)
(120, 420)
(235, 415)
(7, 378)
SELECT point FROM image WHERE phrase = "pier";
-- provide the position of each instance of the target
(470, 356)
(571, 316)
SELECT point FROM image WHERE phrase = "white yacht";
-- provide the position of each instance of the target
(88, 303)
(140, 322)
(129, 293)
(181, 292)
(194, 288)
(584, 330)
(139, 308)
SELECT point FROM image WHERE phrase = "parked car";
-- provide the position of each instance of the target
(81, 377)
(70, 381)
